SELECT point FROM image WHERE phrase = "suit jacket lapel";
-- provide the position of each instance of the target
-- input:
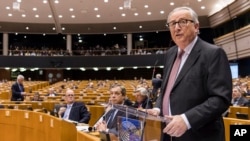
(193, 56)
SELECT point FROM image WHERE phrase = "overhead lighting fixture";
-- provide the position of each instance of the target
(106, 1)
(95, 69)
(16, 6)
(82, 69)
(108, 68)
(127, 4)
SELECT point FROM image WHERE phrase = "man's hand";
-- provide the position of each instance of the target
(153, 112)
(101, 126)
(176, 127)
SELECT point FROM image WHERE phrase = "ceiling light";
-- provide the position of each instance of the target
(108, 68)
(23, 15)
(172, 3)
(136, 14)
(95, 69)
(37, 16)
(114, 28)
(24, 37)
(98, 16)
(135, 67)
(19, 1)
(82, 69)
(53, 28)
(34, 9)
(71, 9)
(96, 9)
(106, 1)
(50, 16)
(9, 14)
(45, 1)
(140, 26)
(161, 67)
(68, 68)
(60, 16)
(63, 28)
(199, 0)
(123, 14)
(7, 68)
(8, 8)
(148, 67)
(16, 33)
(56, 1)
(44, 34)
(149, 13)
(16, 6)
(73, 16)
(145, 6)
(162, 12)
(127, 4)
(120, 8)
(27, 28)
(203, 7)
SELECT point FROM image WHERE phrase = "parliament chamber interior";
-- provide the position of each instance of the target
(72, 50)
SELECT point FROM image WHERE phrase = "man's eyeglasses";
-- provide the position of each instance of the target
(181, 23)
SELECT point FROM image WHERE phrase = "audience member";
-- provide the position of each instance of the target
(156, 83)
(238, 98)
(51, 92)
(74, 111)
(142, 99)
(17, 89)
(108, 122)
(36, 97)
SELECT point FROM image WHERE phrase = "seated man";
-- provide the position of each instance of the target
(108, 122)
(75, 111)
(36, 97)
(142, 99)
(51, 92)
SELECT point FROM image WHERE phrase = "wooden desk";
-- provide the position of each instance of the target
(17, 106)
(233, 110)
(19, 125)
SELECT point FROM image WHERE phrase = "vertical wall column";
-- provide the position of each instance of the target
(69, 43)
(129, 43)
(5, 43)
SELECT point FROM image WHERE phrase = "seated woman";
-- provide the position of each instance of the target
(142, 99)
(36, 97)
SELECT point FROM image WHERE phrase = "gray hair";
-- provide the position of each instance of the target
(190, 10)
(143, 91)
(20, 77)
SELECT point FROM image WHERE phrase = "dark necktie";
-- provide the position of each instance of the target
(109, 117)
(171, 81)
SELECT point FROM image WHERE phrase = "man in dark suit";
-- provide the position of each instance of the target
(156, 83)
(108, 123)
(17, 89)
(74, 111)
(195, 98)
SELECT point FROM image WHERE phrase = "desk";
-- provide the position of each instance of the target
(17, 106)
(233, 110)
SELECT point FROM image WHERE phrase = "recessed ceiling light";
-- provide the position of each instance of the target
(56, 1)
(149, 13)
(96, 9)
(9, 14)
(172, 3)
(23, 15)
(203, 7)
(60, 16)
(27, 28)
(34, 9)
(50, 16)
(162, 12)
(136, 14)
(16, 33)
(25, 37)
(199, 0)
(44, 34)
(37, 16)
(71, 9)
(45, 1)
(53, 28)
(114, 28)
(123, 14)
(120, 8)
(98, 16)
(19, 1)
(140, 26)
(63, 28)
(7, 7)
(145, 6)
(104, 34)
(106, 1)
(73, 16)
